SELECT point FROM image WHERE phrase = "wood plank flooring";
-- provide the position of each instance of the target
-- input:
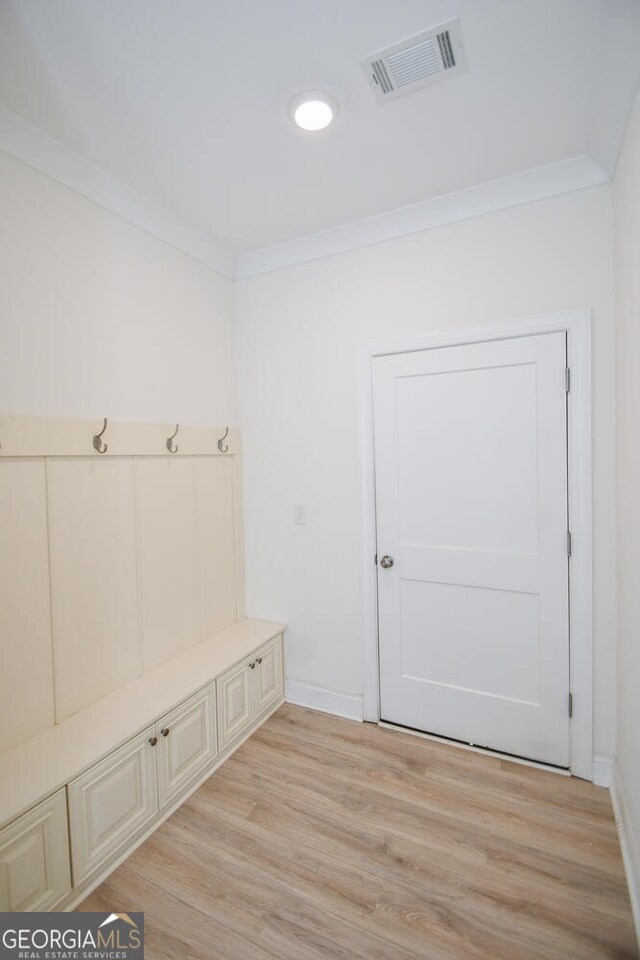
(324, 838)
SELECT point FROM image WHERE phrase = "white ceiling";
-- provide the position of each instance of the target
(185, 101)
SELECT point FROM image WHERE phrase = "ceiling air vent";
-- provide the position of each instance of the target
(417, 62)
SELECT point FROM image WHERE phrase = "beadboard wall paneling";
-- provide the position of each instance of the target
(26, 677)
(214, 482)
(93, 579)
(169, 579)
(110, 564)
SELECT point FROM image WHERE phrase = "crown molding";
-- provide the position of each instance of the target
(540, 183)
(37, 149)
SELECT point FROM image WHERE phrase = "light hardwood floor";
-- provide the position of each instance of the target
(324, 838)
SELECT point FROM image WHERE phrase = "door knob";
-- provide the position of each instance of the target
(386, 562)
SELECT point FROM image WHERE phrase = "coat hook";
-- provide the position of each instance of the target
(222, 446)
(171, 446)
(97, 440)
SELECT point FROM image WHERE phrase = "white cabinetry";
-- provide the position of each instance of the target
(268, 680)
(235, 708)
(128, 761)
(248, 691)
(111, 803)
(34, 858)
(187, 744)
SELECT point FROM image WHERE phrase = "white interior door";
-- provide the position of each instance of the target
(471, 501)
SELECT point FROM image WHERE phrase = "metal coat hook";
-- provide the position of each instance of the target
(97, 440)
(222, 446)
(171, 446)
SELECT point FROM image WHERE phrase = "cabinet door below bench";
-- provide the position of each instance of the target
(34, 858)
(268, 684)
(112, 803)
(248, 692)
(187, 744)
(235, 706)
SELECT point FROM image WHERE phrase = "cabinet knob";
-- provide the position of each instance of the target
(258, 659)
(153, 741)
(253, 665)
(165, 731)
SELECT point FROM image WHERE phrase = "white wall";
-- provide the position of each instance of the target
(99, 318)
(626, 209)
(299, 331)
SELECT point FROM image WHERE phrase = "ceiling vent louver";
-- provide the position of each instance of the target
(417, 62)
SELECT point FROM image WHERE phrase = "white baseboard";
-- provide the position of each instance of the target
(319, 698)
(602, 770)
(629, 842)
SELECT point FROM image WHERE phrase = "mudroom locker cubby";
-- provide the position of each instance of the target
(129, 669)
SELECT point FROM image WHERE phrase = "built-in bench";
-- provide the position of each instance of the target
(116, 769)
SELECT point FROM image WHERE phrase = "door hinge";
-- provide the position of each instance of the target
(567, 379)
(375, 560)
(570, 705)
(568, 543)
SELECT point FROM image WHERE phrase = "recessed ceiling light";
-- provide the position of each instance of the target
(313, 110)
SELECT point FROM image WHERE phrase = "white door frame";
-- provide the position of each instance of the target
(577, 325)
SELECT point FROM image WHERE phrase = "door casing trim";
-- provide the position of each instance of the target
(577, 325)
